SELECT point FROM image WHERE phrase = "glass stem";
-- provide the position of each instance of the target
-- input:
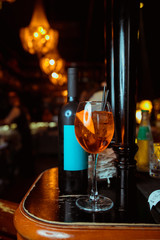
(94, 191)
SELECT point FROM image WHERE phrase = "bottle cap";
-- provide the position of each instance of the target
(144, 110)
(72, 81)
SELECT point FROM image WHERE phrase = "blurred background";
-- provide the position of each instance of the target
(38, 41)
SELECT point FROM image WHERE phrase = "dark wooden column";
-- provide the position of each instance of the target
(121, 46)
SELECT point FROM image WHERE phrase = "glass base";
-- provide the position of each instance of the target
(102, 204)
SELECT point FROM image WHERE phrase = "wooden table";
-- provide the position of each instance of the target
(7, 229)
(45, 214)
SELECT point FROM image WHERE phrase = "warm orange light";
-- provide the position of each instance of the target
(38, 37)
(54, 66)
(158, 116)
(46, 62)
(42, 30)
(146, 105)
(52, 62)
(65, 93)
(143, 105)
(47, 37)
(55, 75)
(36, 34)
(58, 79)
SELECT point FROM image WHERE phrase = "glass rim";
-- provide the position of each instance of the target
(99, 101)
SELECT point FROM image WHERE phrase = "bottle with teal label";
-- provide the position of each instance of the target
(145, 143)
(73, 160)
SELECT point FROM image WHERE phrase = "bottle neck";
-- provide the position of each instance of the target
(72, 99)
(72, 83)
(145, 119)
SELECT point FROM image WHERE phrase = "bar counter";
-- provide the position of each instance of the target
(45, 214)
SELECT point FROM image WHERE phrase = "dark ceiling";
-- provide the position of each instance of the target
(81, 38)
(80, 26)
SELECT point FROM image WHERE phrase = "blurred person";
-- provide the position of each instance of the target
(17, 114)
(89, 90)
(98, 95)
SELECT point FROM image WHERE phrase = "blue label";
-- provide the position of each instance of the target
(75, 158)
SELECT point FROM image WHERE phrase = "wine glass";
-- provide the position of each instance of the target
(94, 129)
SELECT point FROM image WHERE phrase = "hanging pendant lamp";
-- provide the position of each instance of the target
(39, 38)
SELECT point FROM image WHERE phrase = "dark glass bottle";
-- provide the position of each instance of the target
(73, 160)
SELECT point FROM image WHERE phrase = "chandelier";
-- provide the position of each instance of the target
(39, 37)
(54, 66)
(58, 78)
(52, 62)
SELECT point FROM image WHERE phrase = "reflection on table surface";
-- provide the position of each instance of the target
(45, 203)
